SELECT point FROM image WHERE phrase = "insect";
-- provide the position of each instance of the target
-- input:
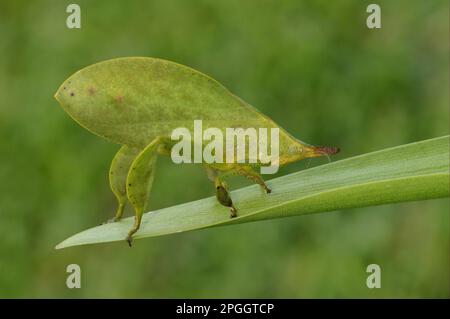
(137, 102)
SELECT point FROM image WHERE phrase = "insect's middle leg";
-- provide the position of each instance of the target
(222, 194)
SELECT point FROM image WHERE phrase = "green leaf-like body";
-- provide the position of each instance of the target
(133, 100)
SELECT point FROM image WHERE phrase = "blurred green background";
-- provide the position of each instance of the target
(312, 66)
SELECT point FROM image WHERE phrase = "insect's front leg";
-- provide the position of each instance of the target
(254, 176)
(139, 182)
(118, 172)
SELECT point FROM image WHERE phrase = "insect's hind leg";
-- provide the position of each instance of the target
(139, 182)
(222, 194)
(118, 172)
(249, 173)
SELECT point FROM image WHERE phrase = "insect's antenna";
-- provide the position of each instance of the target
(328, 156)
(325, 154)
(308, 163)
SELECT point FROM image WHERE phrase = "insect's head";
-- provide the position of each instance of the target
(316, 151)
(299, 150)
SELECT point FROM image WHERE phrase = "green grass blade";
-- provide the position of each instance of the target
(411, 172)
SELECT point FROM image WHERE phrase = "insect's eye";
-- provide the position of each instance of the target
(292, 149)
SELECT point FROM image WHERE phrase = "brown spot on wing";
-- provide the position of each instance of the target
(118, 99)
(91, 90)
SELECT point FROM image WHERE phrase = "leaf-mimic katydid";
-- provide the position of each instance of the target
(137, 102)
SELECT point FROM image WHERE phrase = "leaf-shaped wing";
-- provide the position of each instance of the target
(132, 100)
